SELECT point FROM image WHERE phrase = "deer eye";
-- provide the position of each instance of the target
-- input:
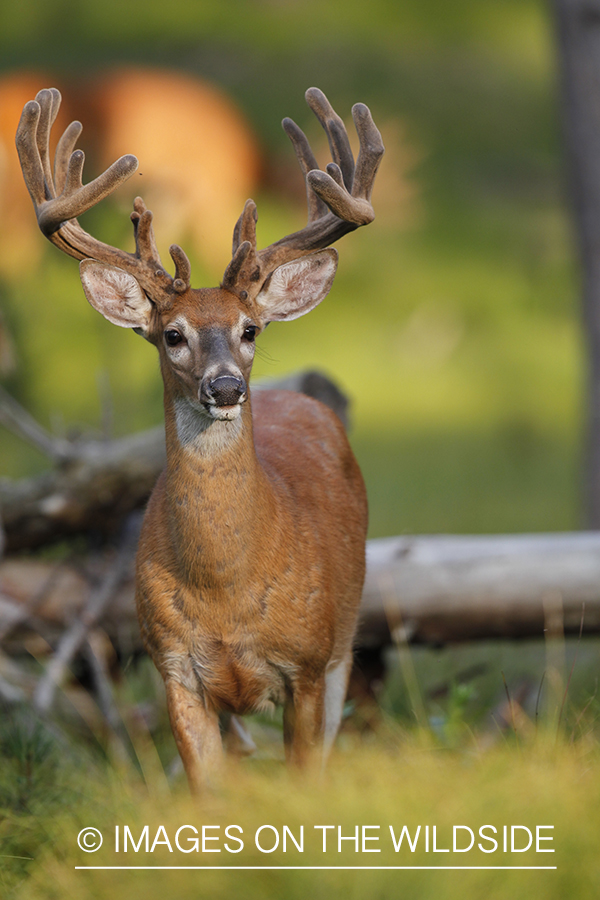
(250, 333)
(173, 337)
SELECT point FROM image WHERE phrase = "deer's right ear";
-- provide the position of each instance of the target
(116, 294)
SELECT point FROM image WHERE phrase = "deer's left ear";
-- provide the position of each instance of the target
(295, 288)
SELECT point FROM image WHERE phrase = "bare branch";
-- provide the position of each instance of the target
(104, 692)
(73, 639)
(14, 417)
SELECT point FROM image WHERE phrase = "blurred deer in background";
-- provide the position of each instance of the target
(252, 554)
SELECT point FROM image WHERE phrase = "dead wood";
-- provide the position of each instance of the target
(442, 588)
(432, 589)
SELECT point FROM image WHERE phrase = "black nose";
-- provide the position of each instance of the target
(225, 390)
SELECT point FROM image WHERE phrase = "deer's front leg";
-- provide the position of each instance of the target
(303, 720)
(197, 733)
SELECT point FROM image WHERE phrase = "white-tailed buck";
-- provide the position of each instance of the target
(252, 554)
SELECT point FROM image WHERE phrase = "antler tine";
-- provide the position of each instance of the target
(29, 154)
(336, 133)
(233, 270)
(183, 269)
(306, 158)
(49, 101)
(64, 149)
(145, 242)
(244, 263)
(244, 248)
(236, 234)
(355, 211)
(370, 153)
(245, 227)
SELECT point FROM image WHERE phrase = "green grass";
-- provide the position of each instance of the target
(406, 778)
(443, 747)
(474, 759)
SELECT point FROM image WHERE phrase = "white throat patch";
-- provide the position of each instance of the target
(199, 432)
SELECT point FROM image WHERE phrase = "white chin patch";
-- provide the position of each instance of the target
(225, 413)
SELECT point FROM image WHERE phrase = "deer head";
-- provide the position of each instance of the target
(205, 337)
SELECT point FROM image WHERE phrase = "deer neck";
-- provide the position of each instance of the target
(220, 502)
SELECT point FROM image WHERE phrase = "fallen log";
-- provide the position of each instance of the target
(92, 490)
(430, 589)
(442, 588)
(40, 600)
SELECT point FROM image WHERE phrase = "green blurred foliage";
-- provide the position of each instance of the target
(264, 24)
(453, 323)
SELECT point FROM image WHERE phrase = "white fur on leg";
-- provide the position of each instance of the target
(336, 683)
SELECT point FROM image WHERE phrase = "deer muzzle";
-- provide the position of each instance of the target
(222, 392)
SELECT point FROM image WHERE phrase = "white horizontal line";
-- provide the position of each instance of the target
(345, 868)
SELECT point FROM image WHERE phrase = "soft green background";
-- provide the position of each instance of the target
(454, 321)
(454, 324)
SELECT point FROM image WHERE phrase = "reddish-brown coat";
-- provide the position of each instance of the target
(251, 565)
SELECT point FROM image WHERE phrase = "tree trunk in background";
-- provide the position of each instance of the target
(578, 29)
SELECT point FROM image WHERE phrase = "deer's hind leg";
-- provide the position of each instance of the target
(336, 686)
